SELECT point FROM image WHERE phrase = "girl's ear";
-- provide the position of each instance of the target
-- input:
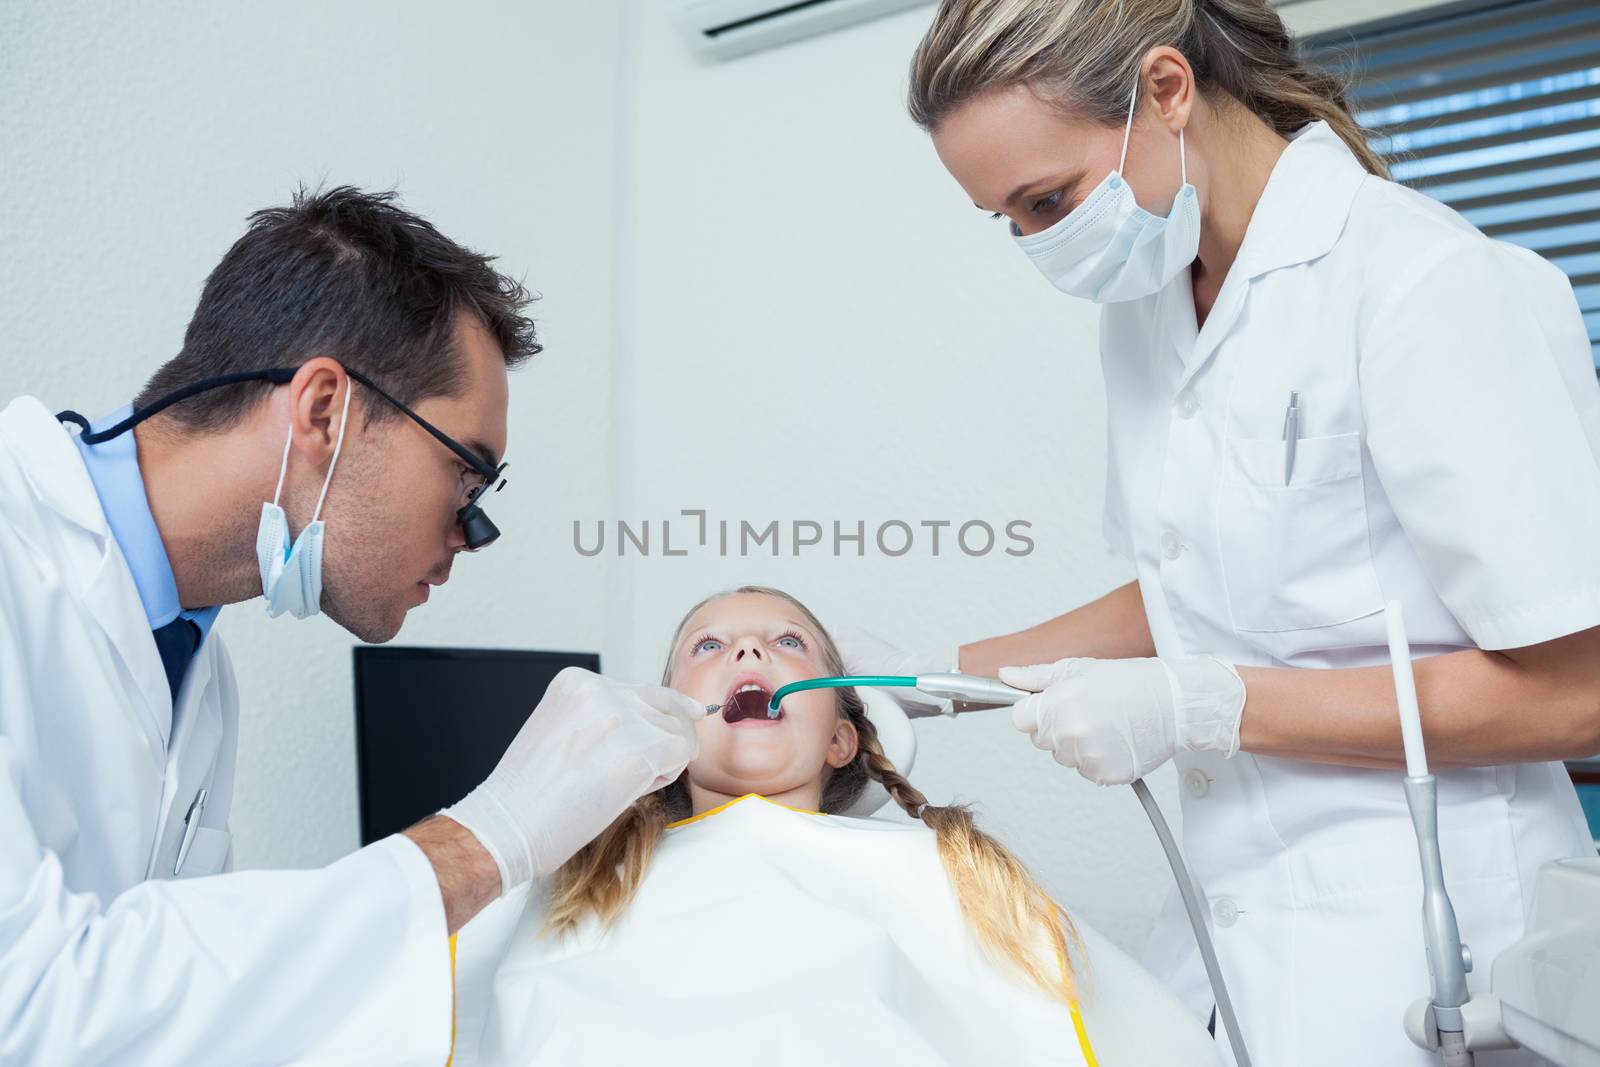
(844, 745)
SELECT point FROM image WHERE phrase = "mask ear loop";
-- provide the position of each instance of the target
(1127, 127)
(283, 468)
(338, 444)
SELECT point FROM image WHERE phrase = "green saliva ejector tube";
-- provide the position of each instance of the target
(967, 688)
(837, 682)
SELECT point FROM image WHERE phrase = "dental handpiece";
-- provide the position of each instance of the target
(970, 689)
(838, 682)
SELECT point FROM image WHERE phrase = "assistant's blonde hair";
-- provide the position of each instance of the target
(1013, 919)
(1082, 55)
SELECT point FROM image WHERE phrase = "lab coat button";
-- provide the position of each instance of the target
(1197, 782)
(1171, 544)
(1188, 404)
(1225, 911)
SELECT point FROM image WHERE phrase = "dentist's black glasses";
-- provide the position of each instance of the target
(476, 527)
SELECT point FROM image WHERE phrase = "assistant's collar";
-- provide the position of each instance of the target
(1306, 202)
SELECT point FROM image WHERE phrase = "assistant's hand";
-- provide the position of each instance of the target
(1118, 719)
(865, 654)
(592, 747)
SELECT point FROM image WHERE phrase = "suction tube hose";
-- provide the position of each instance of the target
(1197, 919)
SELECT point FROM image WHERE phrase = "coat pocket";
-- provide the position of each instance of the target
(1295, 556)
(208, 853)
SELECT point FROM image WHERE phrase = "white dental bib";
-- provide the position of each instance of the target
(765, 935)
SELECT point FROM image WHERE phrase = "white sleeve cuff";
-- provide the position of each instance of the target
(412, 1006)
(1533, 623)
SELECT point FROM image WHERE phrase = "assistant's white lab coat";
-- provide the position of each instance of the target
(104, 958)
(1450, 458)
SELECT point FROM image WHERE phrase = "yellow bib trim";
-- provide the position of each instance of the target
(720, 808)
(452, 1055)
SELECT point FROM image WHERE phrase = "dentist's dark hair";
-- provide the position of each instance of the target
(347, 274)
(1013, 919)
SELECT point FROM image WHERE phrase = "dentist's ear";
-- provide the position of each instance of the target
(316, 400)
(844, 745)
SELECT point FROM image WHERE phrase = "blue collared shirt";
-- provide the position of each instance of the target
(114, 469)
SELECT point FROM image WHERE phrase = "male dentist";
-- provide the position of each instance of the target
(324, 439)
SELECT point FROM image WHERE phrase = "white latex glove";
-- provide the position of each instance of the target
(591, 747)
(1119, 719)
(865, 654)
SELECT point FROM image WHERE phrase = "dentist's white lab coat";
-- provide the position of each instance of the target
(104, 957)
(1450, 458)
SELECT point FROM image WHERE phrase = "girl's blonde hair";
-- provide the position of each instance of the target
(1013, 919)
(1082, 55)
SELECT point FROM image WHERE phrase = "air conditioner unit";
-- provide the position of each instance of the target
(722, 29)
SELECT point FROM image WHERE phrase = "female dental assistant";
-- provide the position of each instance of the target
(1324, 391)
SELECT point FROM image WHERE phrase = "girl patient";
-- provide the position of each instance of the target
(734, 917)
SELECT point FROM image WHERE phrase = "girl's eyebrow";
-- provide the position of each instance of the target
(693, 631)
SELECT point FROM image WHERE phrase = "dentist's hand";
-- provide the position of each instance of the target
(592, 747)
(865, 654)
(1118, 719)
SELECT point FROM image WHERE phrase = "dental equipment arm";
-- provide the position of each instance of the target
(1448, 959)
(989, 692)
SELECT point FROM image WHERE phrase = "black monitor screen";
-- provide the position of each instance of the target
(431, 723)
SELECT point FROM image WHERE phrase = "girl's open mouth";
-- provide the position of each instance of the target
(748, 706)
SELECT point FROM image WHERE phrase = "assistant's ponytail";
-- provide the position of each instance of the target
(1243, 48)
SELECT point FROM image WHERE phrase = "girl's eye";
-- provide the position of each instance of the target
(699, 645)
(797, 642)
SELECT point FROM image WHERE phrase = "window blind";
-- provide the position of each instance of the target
(1496, 112)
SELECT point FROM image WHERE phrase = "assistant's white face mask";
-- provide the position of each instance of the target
(291, 575)
(1108, 248)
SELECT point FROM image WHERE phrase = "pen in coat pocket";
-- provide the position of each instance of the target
(1291, 434)
(191, 823)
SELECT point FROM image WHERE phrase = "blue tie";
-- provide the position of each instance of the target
(176, 641)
